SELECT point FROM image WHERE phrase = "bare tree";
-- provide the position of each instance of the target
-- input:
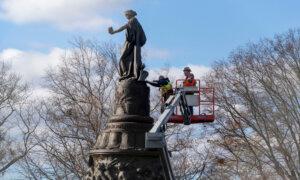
(80, 102)
(258, 94)
(16, 125)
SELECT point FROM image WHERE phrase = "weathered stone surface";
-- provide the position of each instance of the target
(119, 152)
(132, 98)
(123, 135)
(132, 165)
(126, 129)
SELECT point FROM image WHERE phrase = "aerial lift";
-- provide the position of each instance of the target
(177, 111)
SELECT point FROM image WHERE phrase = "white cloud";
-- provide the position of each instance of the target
(65, 14)
(31, 65)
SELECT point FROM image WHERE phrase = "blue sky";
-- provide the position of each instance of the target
(179, 32)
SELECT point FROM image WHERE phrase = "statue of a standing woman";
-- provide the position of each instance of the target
(130, 64)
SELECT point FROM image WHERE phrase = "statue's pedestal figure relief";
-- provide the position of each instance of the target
(119, 152)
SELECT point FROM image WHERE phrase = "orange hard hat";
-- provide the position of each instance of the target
(187, 69)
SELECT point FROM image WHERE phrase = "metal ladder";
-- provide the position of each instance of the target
(155, 138)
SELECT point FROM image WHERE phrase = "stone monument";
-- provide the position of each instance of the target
(119, 152)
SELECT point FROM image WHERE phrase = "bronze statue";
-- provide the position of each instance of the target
(130, 64)
(120, 152)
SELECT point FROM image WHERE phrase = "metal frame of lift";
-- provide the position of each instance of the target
(155, 138)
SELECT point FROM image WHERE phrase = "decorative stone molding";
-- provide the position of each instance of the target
(119, 152)
(127, 166)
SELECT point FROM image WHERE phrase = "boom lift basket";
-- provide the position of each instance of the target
(201, 98)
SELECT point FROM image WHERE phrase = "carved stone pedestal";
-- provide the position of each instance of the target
(119, 152)
(140, 165)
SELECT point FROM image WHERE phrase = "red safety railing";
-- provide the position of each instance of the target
(206, 98)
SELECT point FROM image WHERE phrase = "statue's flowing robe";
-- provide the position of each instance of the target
(131, 60)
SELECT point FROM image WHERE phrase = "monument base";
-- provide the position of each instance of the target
(119, 152)
(126, 165)
(124, 132)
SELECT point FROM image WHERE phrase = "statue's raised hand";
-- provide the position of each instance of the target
(110, 30)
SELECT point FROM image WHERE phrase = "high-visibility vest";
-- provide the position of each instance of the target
(166, 88)
(189, 82)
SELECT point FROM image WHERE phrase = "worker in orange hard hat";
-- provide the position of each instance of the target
(189, 81)
(189, 77)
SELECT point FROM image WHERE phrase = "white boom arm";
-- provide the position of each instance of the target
(155, 138)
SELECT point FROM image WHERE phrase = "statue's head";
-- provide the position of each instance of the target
(130, 14)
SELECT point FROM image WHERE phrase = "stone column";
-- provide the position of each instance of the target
(119, 152)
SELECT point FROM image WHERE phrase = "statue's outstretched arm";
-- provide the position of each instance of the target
(112, 31)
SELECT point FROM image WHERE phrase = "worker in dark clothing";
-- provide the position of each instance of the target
(165, 87)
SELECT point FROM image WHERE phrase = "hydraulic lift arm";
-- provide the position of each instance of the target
(155, 138)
